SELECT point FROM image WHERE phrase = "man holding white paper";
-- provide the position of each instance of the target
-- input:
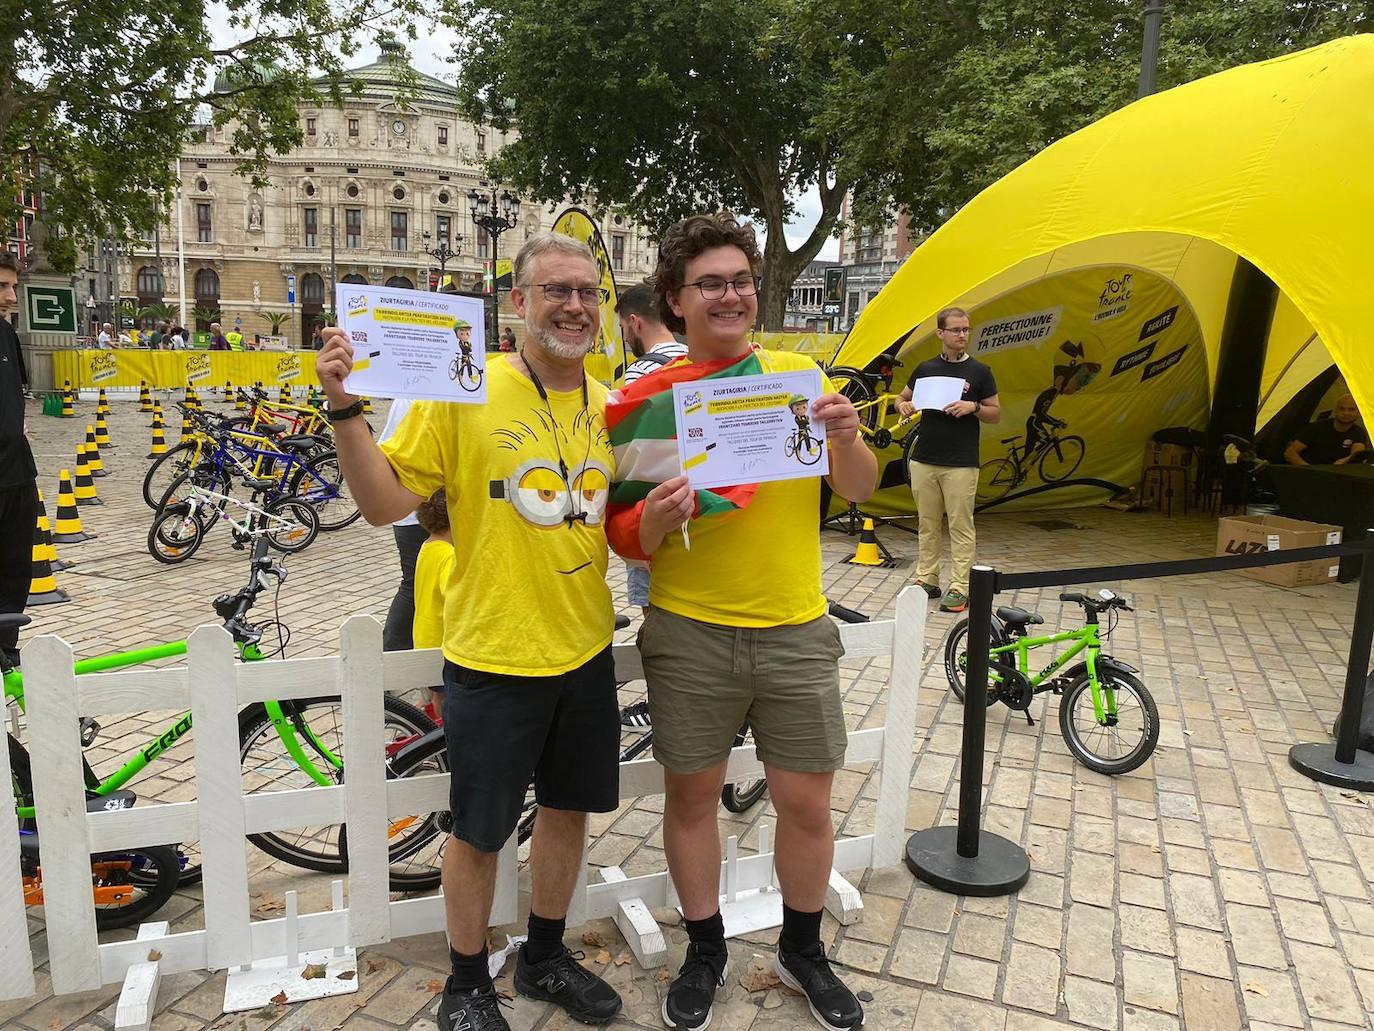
(955, 393)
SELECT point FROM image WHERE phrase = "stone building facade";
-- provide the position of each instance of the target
(871, 257)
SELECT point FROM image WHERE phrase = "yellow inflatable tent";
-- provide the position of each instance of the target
(1098, 274)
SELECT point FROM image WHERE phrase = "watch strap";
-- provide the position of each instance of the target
(356, 408)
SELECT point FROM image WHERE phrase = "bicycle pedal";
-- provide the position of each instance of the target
(89, 729)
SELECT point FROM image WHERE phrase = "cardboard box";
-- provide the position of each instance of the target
(1167, 454)
(1247, 535)
(1166, 489)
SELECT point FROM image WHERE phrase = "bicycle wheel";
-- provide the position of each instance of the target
(741, 796)
(416, 841)
(1061, 458)
(454, 367)
(320, 481)
(956, 654)
(178, 491)
(909, 451)
(132, 884)
(318, 725)
(1115, 744)
(301, 528)
(469, 376)
(808, 450)
(165, 469)
(175, 535)
(790, 448)
(995, 480)
(854, 385)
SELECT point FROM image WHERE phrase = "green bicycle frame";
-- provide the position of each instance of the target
(1085, 638)
(290, 729)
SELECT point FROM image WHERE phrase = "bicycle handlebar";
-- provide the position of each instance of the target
(1107, 600)
(845, 615)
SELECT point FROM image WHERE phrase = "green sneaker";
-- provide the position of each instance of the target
(953, 601)
(932, 590)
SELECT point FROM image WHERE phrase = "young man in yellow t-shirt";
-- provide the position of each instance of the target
(529, 680)
(737, 628)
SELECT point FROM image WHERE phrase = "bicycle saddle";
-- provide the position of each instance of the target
(13, 620)
(270, 428)
(300, 441)
(621, 622)
(257, 485)
(1011, 440)
(1014, 616)
(115, 800)
(888, 358)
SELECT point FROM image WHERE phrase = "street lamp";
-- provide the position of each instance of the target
(443, 254)
(495, 214)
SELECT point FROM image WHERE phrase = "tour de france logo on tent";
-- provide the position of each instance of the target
(288, 367)
(103, 366)
(197, 367)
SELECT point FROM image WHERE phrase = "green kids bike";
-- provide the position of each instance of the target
(1106, 714)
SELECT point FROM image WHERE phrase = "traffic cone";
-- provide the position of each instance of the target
(102, 404)
(157, 414)
(43, 589)
(102, 433)
(159, 440)
(867, 552)
(45, 528)
(241, 405)
(93, 459)
(367, 406)
(145, 397)
(68, 409)
(85, 486)
(186, 428)
(68, 529)
(228, 392)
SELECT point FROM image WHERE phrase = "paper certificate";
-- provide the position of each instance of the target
(749, 429)
(414, 344)
(937, 391)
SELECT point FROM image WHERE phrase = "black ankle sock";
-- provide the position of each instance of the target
(800, 930)
(709, 932)
(469, 972)
(546, 938)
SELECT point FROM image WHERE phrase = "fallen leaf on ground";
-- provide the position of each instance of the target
(662, 975)
(280, 998)
(373, 966)
(602, 958)
(434, 985)
(154, 955)
(593, 938)
(312, 971)
(347, 975)
(622, 959)
(1255, 988)
(268, 1012)
(758, 977)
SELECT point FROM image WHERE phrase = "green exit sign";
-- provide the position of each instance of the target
(51, 309)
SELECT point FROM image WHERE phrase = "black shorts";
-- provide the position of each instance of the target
(562, 733)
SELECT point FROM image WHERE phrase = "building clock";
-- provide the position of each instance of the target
(398, 127)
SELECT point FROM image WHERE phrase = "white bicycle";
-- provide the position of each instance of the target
(289, 524)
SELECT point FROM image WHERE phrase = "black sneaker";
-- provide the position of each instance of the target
(832, 1004)
(565, 982)
(478, 1009)
(693, 992)
(636, 714)
(932, 590)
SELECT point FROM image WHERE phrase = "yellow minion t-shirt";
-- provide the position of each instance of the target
(757, 567)
(527, 484)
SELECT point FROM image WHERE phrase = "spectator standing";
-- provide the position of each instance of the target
(1334, 441)
(18, 491)
(217, 340)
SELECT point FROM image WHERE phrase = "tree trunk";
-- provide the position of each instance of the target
(782, 266)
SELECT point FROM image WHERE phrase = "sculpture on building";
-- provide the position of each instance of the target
(255, 212)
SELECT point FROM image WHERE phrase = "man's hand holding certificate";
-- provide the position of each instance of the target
(414, 344)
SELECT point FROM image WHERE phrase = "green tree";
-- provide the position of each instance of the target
(277, 320)
(97, 97)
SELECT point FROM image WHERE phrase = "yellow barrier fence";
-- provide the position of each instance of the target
(170, 369)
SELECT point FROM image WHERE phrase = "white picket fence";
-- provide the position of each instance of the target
(215, 686)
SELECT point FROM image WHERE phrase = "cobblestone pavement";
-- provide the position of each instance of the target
(1212, 888)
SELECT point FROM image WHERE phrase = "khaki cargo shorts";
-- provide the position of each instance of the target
(706, 680)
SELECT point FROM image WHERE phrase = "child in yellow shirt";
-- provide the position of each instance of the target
(432, 569)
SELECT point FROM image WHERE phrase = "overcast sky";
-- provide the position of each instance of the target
(429, 55)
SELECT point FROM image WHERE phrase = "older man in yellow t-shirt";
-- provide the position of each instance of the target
(529, 680)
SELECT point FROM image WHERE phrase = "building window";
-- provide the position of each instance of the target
(312, 227)
(399, 193)
(481, 143)
(352, 189)
(443, 230)
(207, 285)
(868, 246)
(483, 249)
(149, 283)
(353, 128)
(312, 289)
(443, 197)
(202, 185)
(617, 251)
(443, 135)
(310, 127)
(853, 305)
(310, 189)
(398, 230)
(355, 279)
(353, 227)
(400, 283)
(204, 233)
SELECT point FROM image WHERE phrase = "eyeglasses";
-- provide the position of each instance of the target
(559, 293)
(713, 288)
(958, 331)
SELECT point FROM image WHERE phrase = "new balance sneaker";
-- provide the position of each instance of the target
(932, 590)
(478, 1009)
(953, 601)
(832, 1004)
(693, 992)
(565, 982)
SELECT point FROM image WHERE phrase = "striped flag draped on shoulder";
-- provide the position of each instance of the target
(643, 433)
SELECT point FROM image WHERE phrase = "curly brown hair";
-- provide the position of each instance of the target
(433, 513)
(686, 240)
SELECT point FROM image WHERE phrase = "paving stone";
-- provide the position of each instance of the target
(1092, 1003)
(951, 1013)
(1326, 987)
(1209, 1002)
(1032, 978)
(1090, 942)
(1203, 952)
(983, 936)
(1304, 921)
(918, 956)
(969, 976)
(1142, 891)
(1255, 938)
(1194, 901)
(1269, 995)
(1145, 929)
(1149, 982)
(1038, 925)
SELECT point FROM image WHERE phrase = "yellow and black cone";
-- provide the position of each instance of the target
(43, 589)
(868, 551)
(241, 405)
(68, 402)
(159, 441)
(157, 414)
(145, 397)
(93, 459)
(102, 433)
(45, 530)
(68, 529)
(85, 486)
(102, 404)
(367, 406)
(286, 391)
(186, 428)
(228, 391)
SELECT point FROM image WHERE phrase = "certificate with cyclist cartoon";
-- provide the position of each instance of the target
(749, 429)
(414, 344)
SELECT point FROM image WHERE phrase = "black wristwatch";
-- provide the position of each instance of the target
(356, 408)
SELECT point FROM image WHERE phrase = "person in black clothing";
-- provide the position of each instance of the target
(944, 467)
(1338, 440)
(18, 489)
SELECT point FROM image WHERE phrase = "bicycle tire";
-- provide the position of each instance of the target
(1072, 731)
(317, 468)
(290, 541)
(1058, 448)
(808, 451)
(741, 796)
(995, 480)
(854, 384)
(152, 495)
(218, 482)
(956, 653)
(909, 451)
(322, 849)
(156, 887)
(473, 373)
(178, 530)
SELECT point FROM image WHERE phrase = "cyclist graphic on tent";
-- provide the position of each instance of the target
(800, 444)
(1069, 377)
(463, 368)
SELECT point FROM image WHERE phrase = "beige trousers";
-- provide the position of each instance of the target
(945, 491)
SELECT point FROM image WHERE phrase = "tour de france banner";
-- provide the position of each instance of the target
(607, 363)
(165, 370)
(1089, 364)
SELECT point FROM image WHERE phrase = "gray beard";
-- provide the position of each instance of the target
(558, 348)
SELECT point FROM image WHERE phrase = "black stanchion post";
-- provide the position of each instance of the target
(966, 860)
(1342, 763)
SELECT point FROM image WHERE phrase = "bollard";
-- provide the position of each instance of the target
(1343, 763)
(967, 860)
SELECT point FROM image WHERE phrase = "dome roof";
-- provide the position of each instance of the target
(392, 75)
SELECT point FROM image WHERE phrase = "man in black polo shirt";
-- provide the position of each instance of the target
(944, 469)
(1334, 441)
(18, 494)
